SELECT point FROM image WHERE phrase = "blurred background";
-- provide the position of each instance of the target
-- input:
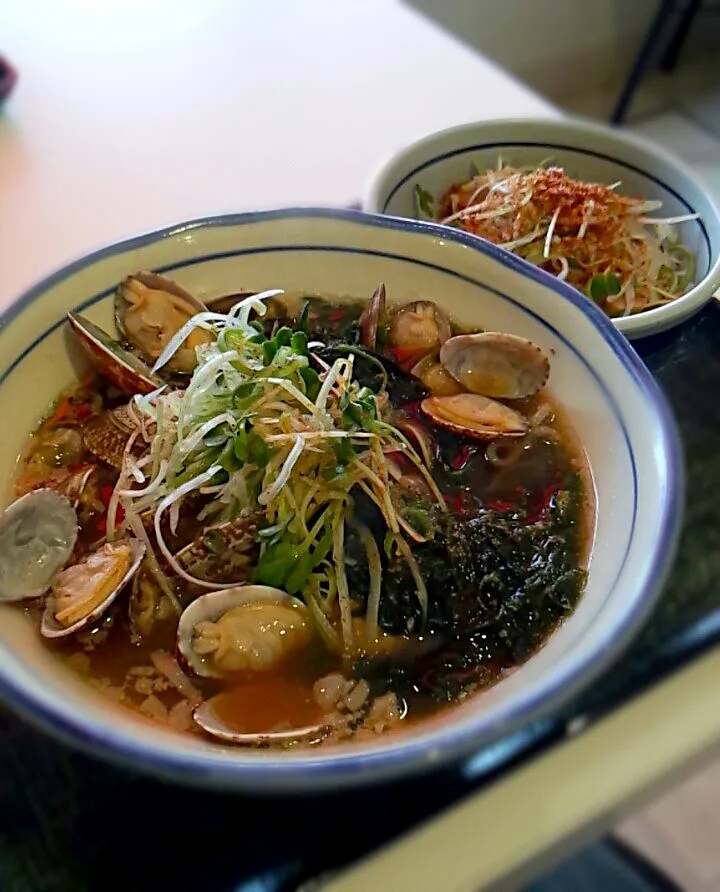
(582, 56)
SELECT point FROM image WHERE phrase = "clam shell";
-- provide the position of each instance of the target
(51, 628)
(224, 554)
(371, 316)
(28, 562)
(207, 719)
(119, 366)
(150, 339)
(215, 604)
(496, 364)
(474, 416)
(106, 436)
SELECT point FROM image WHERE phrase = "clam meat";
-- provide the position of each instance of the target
(252, 627)
(82, 593)
(107, 435)
(149, 310)
(419, 328)
(435, 377)
(371, 317)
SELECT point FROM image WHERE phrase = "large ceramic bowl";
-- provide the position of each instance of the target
(587, 151)
(620, 415)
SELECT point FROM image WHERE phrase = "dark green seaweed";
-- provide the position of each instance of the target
(497, 586)
(376, 371)
(502, 569)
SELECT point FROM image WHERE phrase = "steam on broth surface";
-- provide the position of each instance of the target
(293, 521)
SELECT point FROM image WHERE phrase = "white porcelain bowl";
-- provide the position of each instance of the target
(587, 151)
(613, 401)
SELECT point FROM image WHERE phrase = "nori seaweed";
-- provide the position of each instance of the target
(497, 586)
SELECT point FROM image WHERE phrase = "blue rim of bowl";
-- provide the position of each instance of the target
(293, 774)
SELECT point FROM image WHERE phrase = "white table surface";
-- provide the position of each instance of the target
(133, 114)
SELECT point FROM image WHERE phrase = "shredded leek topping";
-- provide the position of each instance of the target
(259, 428)
(587, 234)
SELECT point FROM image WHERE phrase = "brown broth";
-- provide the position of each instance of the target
(250, 702)
(262, 702)
(267, 702)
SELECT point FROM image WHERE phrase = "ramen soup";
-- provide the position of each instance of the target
(282, 520)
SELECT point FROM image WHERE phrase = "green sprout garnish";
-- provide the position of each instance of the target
(265, 427)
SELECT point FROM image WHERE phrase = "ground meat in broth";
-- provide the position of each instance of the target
(531, 497)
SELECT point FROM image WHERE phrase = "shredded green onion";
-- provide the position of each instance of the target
(257, 427)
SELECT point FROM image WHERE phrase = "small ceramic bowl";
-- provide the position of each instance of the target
(587, 151)
(612, 400)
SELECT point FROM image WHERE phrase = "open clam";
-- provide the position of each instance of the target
(37, 536)
(119, 366)
(419, 328)
(495, 364)
(474, 416)
(82, 593)
(149, 310)
(371, 317)
(250, 628)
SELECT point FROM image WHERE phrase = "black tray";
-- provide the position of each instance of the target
(67, 822)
